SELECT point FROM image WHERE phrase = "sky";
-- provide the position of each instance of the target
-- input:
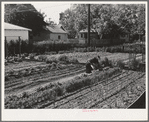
(52, 10)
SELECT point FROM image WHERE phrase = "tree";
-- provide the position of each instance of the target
(25, 15)
(110, 19)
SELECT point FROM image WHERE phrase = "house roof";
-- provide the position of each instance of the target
(55, 29)
(86, 31)
(9, 26)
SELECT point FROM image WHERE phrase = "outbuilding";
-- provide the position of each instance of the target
(14, 32)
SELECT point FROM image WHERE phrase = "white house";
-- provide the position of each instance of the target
(57, 32)
(13, 32)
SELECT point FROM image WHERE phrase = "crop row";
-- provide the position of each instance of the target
(37, 75)
(46, 78)
(93, 96)
(96, 88)
(126, 97)
(50, 94)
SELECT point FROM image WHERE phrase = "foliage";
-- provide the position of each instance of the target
(24, 15)
(73, 60)
(49, 46)
(51, 59)
(134, 64)
(63, 58)
(120, 64)
(109, 19)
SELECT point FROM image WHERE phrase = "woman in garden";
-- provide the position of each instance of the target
(93, 64)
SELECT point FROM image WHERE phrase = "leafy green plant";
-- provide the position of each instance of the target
(63, 58)
(51, 59)
(73, 60)
(120, 64)
(134, 64)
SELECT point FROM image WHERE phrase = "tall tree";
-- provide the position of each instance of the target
(111, 19)
(25, 15)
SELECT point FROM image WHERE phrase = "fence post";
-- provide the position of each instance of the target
(6, 46)
(19, 46)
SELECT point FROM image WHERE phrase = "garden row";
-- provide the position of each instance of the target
(54, 90)
(52, 63)
(25, 83)
(102, 94)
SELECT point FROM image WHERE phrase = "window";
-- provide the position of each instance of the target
(59, 37)
(81, 35)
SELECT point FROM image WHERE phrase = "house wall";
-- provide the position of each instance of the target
(83, 37)
(55, 36)
(16, 33)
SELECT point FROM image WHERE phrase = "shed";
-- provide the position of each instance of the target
(57, 32)
(13, 32)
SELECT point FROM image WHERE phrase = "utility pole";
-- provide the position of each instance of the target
(88, 34)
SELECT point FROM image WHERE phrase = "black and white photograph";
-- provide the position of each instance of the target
(76, 59)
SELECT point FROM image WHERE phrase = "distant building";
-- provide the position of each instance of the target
(95, 38)
(51, 33)
(83, 35)
(13, 32)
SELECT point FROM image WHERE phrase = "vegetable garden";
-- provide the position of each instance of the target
(59, 81)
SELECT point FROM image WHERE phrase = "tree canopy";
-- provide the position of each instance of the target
(25, 15)
(111, 19)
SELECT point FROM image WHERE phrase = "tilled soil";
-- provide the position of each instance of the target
(117, 92)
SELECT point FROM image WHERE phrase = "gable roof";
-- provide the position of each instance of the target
(9, 26)
(55, 29)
